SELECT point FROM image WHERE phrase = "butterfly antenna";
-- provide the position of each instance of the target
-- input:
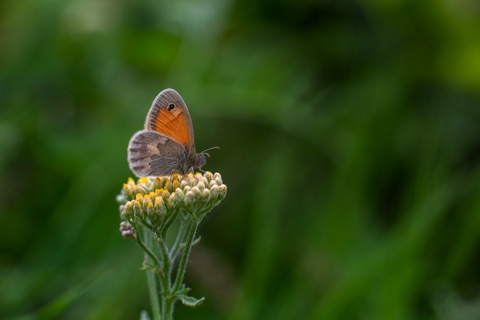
(205, 151)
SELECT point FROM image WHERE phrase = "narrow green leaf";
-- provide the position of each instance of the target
(191, 301)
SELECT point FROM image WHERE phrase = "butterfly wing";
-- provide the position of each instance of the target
(153, 154)
(169, 116)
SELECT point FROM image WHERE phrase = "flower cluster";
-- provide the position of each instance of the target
(154, 200)
(148, 208)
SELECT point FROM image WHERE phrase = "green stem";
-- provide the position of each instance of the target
(153, 291)
(165, 281)
(168, 307)
(151, 281)
(176, 245)
(192, 229)
(163, 300)
(145, 247)
(168, 223)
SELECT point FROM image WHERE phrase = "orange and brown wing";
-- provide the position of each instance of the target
(169, 116)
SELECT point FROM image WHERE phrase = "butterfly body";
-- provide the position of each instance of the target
(166, 145)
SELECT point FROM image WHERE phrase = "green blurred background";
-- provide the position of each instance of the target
(350, 144)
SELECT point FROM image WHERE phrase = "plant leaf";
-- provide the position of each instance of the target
(191, 301)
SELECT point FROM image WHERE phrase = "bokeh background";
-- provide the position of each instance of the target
(350, 144)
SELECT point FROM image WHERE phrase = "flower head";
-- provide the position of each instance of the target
(153, 199)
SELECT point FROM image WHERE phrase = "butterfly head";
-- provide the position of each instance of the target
(201, 160)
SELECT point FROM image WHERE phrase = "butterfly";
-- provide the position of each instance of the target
(166, 145)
